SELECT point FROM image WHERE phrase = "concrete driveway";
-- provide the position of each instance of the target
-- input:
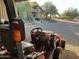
(68, 30)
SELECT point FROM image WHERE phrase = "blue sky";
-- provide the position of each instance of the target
(61, 4)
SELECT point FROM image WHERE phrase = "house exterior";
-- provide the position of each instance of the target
(37, 11)
(23, 10)
(29, 10)
(32, 10)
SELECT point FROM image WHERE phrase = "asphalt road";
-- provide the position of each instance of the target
(69, 31)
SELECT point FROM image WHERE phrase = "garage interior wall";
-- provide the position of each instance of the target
(3, 14)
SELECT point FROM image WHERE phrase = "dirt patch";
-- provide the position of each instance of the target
(67, 54)
(73, 48)
(71, 52)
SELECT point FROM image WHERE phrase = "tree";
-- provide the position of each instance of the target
(71, 13)
(50, 8)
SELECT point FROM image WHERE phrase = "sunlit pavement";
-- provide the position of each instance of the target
(74, 21)
(68, 30)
